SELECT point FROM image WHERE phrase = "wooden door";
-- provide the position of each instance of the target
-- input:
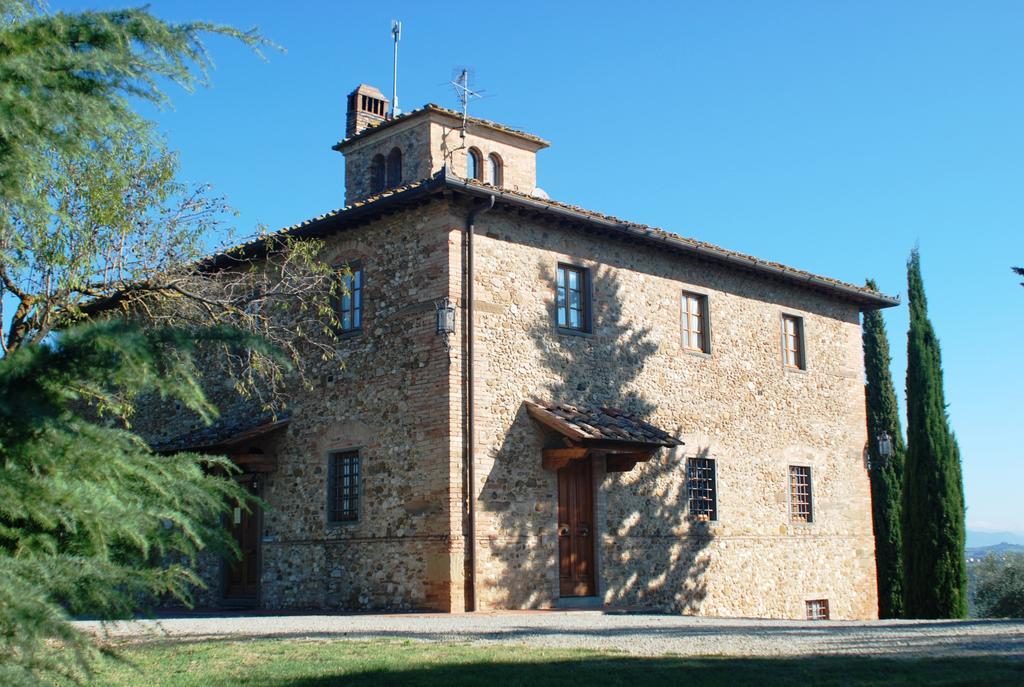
(243, 573)
(576, 529)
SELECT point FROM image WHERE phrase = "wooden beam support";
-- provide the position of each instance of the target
(254, 462)
(614, 446)
(624, 462)
(557, 458)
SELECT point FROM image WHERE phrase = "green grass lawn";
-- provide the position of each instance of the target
(290, 663)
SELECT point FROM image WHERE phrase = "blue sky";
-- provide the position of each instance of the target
(828, 136)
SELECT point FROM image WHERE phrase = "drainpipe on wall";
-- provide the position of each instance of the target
(470, 435)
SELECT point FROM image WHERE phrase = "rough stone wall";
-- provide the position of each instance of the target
(389, 399)
(385, 402)
(519, 160)
(737, 405)
(412, 138)
(398, 399)
(430, 142)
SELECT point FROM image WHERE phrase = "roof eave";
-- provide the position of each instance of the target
(324, 225)
(445, 179)
(866, 300)
(430, 108)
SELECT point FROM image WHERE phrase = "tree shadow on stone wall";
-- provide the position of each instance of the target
(649, 552)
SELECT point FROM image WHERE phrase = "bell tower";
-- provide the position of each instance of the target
(384, 151)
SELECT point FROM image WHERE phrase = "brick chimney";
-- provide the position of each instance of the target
(367, 106)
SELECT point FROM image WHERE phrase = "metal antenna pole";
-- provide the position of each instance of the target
(396, 31)
(464, 93)
(464, 80)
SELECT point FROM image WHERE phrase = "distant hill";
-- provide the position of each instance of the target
(1000, 549)
(976, 539)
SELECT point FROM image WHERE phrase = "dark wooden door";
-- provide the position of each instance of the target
(576, 529)
(243, 573)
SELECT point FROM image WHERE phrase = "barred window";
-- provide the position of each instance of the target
(700, 488)
(817, 609)
(695, 322)
(344, 475)
(350, 302)
(800, 507)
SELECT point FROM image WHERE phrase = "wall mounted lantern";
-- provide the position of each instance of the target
(884, 448)
(445, 316)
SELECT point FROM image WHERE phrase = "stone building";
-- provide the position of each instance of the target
(621, 416)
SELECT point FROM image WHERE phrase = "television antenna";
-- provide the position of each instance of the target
(464, 93)
(396, 33)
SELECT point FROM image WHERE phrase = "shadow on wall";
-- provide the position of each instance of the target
(649, 553)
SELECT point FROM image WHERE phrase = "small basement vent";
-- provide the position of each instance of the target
(817, 609)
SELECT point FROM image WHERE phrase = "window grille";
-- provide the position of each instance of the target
(817, 609)
(800, 506)
(343, 497)
(701, 489)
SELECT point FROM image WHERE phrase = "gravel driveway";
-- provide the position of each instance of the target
(646, 634)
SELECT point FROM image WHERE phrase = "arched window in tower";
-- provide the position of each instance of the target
(474, 165)
(377, 174)
(394, 168)
(494, 169)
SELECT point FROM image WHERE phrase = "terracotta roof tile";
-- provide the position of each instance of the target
(584, 424)
(445, 179)
(431, 107)
(223, 433)
(662, 234)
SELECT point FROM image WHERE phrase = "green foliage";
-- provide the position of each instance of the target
(886, 475)
(935, 579)
(94, 217)
(91, 520)
(999, 586)
(113, 216)
(65, 80)
(88, 200)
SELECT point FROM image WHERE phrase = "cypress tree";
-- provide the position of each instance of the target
(886, 474)
(935, 572)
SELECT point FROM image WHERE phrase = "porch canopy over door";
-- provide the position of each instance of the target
(243, 440)
(623, 438)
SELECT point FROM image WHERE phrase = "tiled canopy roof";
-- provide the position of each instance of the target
(416, 192)
(223, 433)
(600, 424)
